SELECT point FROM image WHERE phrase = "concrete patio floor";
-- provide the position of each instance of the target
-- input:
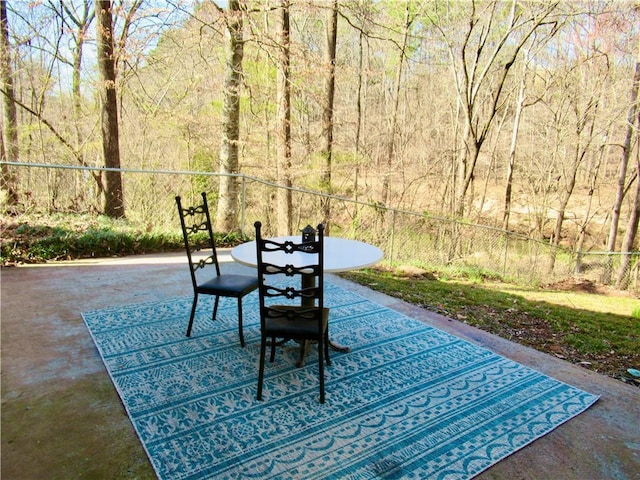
(62, 418)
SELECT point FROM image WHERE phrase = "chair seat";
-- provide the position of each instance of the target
(229, 285)
(275, 326)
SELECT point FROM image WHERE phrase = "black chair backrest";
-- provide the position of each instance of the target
(308, 292)
(198, 235)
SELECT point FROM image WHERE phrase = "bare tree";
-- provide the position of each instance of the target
(393, 123)
(506, 212)
(594, 172)
(114, 197)
(622, 187)
(622, 279)
(77, 21)
(481, 67)
(10, 150)
(283, 149)
(327, 112)
(227, 213)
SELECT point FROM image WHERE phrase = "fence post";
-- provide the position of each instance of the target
(242, 205)
(506, 253)
(392, 236)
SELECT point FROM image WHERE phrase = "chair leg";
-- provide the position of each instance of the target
(263, 354)
(193, 313)
(326, 349)
(240, 332)
(273, 349)
(321, 370)
(215, 308)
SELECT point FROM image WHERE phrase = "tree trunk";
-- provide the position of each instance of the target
(622, 279)
(10, 150)
(624, 162)
(114, 198)
(393, 127)
(327, 113)
(227, 212)
(285, 197)
(506, 213)
(82, 23)
(593, 181)
(569, 186)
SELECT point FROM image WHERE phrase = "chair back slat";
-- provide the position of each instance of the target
(196, 221)
(307, 287)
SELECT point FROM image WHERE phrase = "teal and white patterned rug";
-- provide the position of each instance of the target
(409, 401)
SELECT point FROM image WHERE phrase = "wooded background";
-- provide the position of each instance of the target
(520, 116)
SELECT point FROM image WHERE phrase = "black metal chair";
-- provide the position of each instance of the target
(297, 311)
(198, 236)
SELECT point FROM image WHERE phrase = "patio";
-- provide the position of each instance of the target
(62, 417)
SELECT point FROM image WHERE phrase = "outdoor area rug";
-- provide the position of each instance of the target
(408, 401)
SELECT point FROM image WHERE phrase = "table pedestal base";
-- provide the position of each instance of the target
(304, 348)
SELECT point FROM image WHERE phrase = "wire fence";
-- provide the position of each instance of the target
(407, 238)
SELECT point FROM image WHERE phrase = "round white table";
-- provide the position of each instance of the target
(340, 255)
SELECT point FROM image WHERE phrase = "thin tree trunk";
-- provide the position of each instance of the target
(506, 213)
(570, 183)
(585, 122)
(593, 180)
(624, 162)
(327, 114)
(285, 198)
(82, 24)
(10, 150)
(114, 198)
(393, 128)
(623, 278)
(227, 212)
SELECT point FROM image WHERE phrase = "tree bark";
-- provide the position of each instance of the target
(393, 127)
(506, 213)
(284, 195)
(569, 186)
(81, 23)
(114, 198)
(227, 212)
(623, 277)
(624, 162)
(327, 113)
(10, 150)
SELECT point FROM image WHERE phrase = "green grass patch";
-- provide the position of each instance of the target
(597, 331)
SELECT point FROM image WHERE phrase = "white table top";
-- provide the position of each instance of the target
(340, 254)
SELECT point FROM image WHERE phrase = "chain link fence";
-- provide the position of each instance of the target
(407, 238)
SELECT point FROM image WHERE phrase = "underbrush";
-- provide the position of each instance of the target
(43, 238)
